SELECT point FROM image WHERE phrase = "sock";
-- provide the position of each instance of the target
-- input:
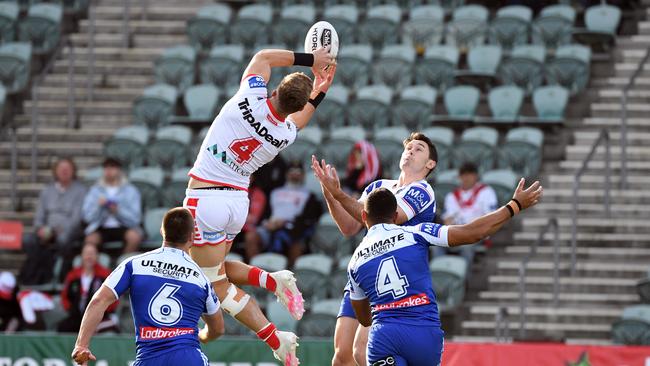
(267, 334)
(260, 278)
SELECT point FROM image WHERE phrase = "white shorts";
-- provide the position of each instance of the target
(218, 215)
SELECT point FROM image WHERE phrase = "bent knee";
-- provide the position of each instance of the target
(342, 358)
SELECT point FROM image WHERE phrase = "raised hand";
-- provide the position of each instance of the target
(530, 196)
(326, 174)
(323, 84)
(322, 59)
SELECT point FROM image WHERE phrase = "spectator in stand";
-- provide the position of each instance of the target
(256, 211)
(57, 225)
(271, 175)
(11, 318)
(363, 167)
(81, 283)
(472, 199)
(294, 214)
(112, 210)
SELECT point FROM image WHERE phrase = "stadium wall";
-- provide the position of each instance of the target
(54, 350)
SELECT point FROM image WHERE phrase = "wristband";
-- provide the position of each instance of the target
(512, 212)
(513, 207)
(303, 59)
(316, 101)
(517, 202)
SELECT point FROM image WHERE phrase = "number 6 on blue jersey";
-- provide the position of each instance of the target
(164, 308)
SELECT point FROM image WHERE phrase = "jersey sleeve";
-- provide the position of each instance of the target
(414, 200)
(253, 85)
(120, 279)
(212, 304)
(369, 188)
(430, 234)
(356, 292)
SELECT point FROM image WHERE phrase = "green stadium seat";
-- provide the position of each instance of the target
(524, 67)
(344, 18)
(511, 26)
(3, 98)
(152, 222)
(444, 181)
(443, 140)
(328, 239)
(550, 102)
(155, 106)
(389, 144)
(414, 107)
(223, 66)
(173, 192)
(381, 26)
(8, 19)
(251, 27)
(316, 325)
(331, 111)
(522, 151)
(477, 145)
(41, 27)
(424, 28)
(169, 149)
(209, 27)
(176, 67)
(371, 109)
(327, 306)
(643, 289)
(201, 102)
(461, 102)
(305, 145)
(312, 271)
(468, 27)
(602, 21)
(15, 66)
(339, 278)
(336, 150)
(394, 66)
(554, 25)
(149, 181)
(448, 274)
(293, 24)
(503, 181)
(437, 68)
(633, 328)
(128, 145)
(505, 103)
(270, 262)
(483, 63)
(75, 7)
(279, 316)
(90, 176)
(570, 68)
(354, 65)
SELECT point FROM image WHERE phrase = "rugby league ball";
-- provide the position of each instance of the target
(322, 34)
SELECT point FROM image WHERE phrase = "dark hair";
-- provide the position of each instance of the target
(380, 205)
(433, 153)
(468, 167)
(109, 161)
(293, 92)
(65, 160)
(177, 226)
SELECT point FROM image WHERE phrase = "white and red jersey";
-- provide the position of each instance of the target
(466, 205)
(246, 134)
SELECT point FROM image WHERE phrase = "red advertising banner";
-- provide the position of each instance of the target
(543, 354)
(11, 235)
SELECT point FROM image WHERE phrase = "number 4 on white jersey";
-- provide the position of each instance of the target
(389, 279)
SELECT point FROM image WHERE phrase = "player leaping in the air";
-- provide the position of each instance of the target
(249, 132)
(415, 204)
(391, 289)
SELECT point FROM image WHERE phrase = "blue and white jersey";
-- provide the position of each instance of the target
(169, 293)
(390, 268)
(417, 199)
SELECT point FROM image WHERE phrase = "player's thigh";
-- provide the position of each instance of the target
(344, 335)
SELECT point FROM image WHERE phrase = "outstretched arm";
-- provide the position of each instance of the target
(321, 85)
(92, 317)
(264, 60)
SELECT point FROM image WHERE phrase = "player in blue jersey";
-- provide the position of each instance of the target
(391, 284)
(169, 293)
(416, 204)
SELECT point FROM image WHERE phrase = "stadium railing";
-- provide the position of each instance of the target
(603, 137)
(551, 224)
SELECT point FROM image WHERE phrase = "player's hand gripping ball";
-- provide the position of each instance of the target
(322, 34)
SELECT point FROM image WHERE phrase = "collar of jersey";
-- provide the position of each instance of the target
(374, 227)
(173, 250)
(273, 112)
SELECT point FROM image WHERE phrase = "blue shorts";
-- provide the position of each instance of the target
(402, 345)
(346, 306)
(182, 356)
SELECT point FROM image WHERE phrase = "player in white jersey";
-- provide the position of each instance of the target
(249, 132)
(391, 282)
(416, 204)
(168, 294)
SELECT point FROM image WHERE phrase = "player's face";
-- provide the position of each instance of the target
(415, 157)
